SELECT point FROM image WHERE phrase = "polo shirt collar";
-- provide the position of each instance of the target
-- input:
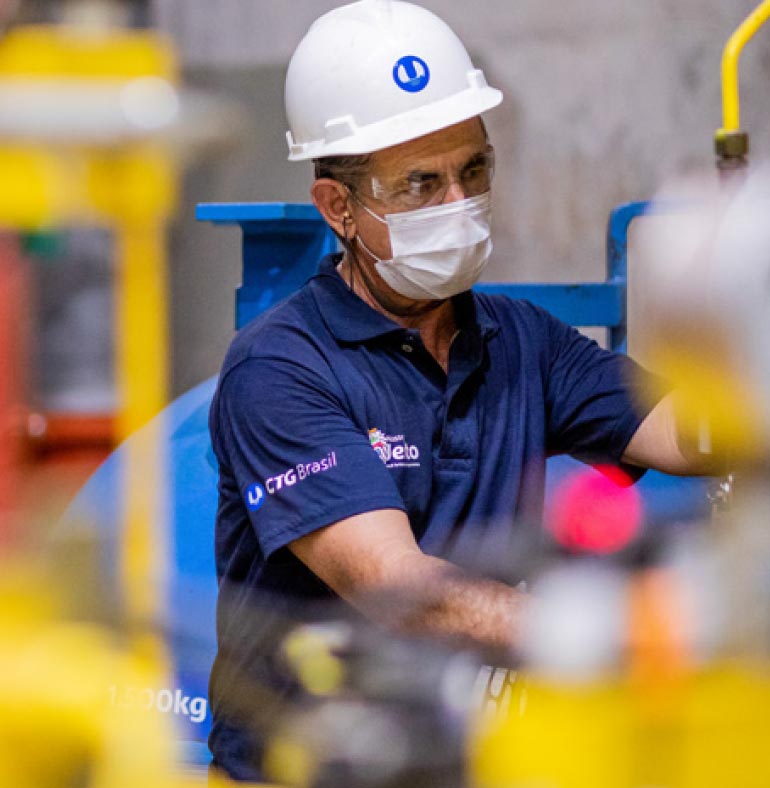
(350, 319)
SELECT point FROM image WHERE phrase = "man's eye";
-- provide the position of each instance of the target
(481, 167)
(423, 183)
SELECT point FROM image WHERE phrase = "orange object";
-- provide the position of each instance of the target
(53, 432)
(659, 651)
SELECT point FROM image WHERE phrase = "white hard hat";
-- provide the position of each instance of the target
(378, 73)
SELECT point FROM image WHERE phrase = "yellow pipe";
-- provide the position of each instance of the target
(730, 58)
(142, 365)
(142, 324)
(137, 186)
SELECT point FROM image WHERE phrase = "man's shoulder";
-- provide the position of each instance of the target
(516, 316)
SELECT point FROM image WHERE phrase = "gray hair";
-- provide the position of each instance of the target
(350, 170)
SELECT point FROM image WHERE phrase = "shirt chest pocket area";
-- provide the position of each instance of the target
(404, 446)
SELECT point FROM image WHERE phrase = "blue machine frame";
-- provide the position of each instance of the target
(283, 242)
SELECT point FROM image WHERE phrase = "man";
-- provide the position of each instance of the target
(384, 417)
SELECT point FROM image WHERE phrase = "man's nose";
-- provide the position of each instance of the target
(454, 193)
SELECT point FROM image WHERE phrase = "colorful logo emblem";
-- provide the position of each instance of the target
(255, 497)
(393, 450)
(411, 74)
(379, 443)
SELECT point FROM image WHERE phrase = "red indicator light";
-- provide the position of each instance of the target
(596, 511)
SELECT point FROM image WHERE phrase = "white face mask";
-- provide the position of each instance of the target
(439, 251)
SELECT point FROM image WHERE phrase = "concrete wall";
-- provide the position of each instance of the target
(605, 99)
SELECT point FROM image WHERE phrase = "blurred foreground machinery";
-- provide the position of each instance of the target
(656, 671)
(93, 131)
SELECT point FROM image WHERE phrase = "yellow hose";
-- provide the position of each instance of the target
(730, 58)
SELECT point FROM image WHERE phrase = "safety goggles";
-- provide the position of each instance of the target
(424, 188)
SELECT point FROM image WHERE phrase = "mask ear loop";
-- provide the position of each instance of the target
(346, 217)
(350, 247)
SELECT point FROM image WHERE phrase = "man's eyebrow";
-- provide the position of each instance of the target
(418, 171)
(421, 171)
(406, 177)
(480, 156)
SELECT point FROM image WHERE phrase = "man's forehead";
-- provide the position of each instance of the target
(456, 142)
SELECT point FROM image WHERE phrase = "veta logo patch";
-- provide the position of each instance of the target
(393, 450)
(411, 73)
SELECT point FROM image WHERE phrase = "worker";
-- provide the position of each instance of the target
(384, 418)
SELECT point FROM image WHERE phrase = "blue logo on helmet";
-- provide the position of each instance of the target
(411, 74)
(255, 497)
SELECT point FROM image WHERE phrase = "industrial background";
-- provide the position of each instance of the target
(604, 99)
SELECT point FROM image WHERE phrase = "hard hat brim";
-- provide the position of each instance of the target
(349, 139)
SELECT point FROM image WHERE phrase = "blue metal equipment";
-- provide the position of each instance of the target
(282, 245)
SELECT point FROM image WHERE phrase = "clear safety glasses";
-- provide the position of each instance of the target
(424, 188)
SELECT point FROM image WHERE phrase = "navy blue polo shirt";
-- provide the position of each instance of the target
(326, 409)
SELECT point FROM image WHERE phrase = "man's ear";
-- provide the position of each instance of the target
(333, 202)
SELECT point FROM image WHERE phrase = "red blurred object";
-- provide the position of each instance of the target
(64, 449)
(14, 299)
(44, 458)
(49, 432)
(60, 459)
(596, 511)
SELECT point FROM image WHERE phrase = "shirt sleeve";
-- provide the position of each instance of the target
(595, 399)
(298, 460)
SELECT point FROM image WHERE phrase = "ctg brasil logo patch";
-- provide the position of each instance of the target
(411, 73)
(255, 497)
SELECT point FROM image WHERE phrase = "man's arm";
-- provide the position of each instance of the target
(660, 445)
(373, 561)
